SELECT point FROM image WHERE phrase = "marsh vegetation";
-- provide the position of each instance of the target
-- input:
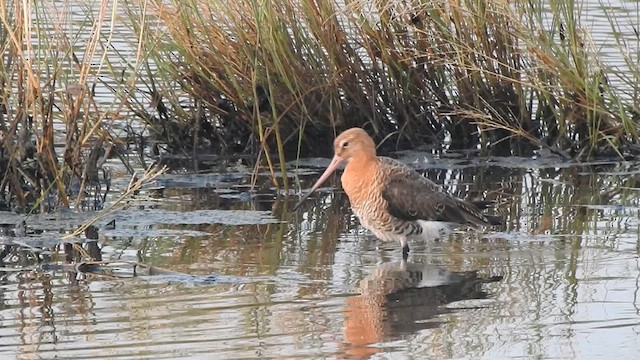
(147, 84)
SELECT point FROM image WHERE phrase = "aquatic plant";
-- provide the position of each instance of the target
(285, 76)
(55, 135)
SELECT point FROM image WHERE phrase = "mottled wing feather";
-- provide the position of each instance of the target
(411, 196)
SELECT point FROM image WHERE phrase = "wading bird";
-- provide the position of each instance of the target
(392, 200)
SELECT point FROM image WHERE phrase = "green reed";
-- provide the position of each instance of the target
(506, 76)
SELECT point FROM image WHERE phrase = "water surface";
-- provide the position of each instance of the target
(559, 281)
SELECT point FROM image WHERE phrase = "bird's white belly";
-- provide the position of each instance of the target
(431, 230)
(434, 230)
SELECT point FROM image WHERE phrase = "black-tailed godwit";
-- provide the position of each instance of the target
(392, 200)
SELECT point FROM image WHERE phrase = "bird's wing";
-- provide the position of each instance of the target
(411, 196)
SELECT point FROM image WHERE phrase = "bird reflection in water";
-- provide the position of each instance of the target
(401, 298)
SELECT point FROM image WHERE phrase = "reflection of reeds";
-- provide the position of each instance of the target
(539, 201)
(291, 73)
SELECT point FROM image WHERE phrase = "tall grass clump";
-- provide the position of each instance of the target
(284, 76)
(55, 136)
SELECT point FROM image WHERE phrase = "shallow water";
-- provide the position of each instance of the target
(264, 282)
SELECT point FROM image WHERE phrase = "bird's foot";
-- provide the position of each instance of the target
(405, 252)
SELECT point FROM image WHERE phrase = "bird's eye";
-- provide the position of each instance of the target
(345, 144)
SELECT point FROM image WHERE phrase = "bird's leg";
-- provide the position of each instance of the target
(405, 252)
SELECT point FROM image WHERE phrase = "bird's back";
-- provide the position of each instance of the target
(411, 196)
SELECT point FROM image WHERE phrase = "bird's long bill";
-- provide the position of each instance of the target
(335, 162)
